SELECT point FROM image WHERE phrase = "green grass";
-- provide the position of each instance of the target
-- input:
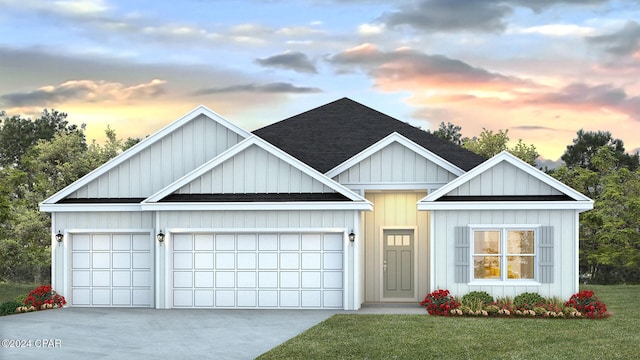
(429, 337)
(9, 291)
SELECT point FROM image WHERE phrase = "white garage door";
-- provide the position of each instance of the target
(286, 270)
(111, 270)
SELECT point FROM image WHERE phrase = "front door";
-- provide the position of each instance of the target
(397, 263)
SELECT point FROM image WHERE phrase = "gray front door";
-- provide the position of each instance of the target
(398, 263)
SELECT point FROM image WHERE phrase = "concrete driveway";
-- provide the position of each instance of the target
(83, 333)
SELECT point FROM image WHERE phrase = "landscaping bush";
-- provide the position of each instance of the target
(9, 307)
(588, 304)
(475, 297)
(581, 305)
(44, 297)
(527, 301)
(440, 302)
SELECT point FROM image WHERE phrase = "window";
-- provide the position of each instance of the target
(504, 253)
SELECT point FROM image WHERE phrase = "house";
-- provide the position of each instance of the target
(331, 208)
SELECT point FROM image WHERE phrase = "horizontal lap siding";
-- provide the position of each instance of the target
(504, 179)
(163, 162)
(563, 223)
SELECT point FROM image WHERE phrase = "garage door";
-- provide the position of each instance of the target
(111, 270)
(285, 270)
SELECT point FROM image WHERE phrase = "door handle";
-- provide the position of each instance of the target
(384, 266)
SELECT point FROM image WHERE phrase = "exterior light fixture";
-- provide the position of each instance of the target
(160, 236)
(59, 236)
(352, 236)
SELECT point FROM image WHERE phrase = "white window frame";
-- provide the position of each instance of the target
(503, 229)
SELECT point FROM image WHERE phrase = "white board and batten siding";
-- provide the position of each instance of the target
(560, 256)
(395, 164)
(163, 162)
(504, 179)
(254, 170)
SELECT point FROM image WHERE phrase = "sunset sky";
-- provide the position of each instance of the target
(541, 68)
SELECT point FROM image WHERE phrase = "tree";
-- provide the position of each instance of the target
(610, 233)
(17, 134)
(43, 169)
(587, 143)
(489, 144)
(449, 132)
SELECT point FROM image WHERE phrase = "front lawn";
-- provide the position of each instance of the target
(424, 337)
(9, 291)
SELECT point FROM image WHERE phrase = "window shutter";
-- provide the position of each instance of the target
(462, 254)
(545, 256)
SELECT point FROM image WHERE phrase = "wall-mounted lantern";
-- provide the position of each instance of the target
(352, 236)
(59, 237)
(160, 237)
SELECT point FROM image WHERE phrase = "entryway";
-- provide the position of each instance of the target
(397, 264)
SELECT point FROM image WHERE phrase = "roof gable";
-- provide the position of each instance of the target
(329, 135)
(501, 179)
(255, 167)
(172, 151)
(398, 160)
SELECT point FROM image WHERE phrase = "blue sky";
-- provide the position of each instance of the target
(543, 71)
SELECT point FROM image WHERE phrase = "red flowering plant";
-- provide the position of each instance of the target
(440, 302)
(588, 304)
(44, 297)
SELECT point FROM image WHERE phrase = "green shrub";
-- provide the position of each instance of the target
(9, 307)
(477, 296)
(528, 300)
(21, 298)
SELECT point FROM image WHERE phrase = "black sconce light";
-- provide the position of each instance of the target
(352, 236)
(160, 236)
(59, 236)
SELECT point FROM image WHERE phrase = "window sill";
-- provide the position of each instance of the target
(504, 283)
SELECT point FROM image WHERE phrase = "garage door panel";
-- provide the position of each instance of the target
(183, 260)
(81, 260)
(121, 278)
(203, 298)
(267, 261)
(121, 260)
(101, 278)
(101, 260)
(247, 298)
(101, 297)
(121, 242)
(110, 269)
(183, 298)
(81, 278)
(141, 278)
(121, 297)
(203, 261)
(225, 298)
(203, 279)
(203, 242)
(289, 261)
(246, 242)
(247, 261)
(231, 270)
(247, 279)
(100, 243)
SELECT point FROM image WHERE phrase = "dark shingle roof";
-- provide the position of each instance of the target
(328, 135)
